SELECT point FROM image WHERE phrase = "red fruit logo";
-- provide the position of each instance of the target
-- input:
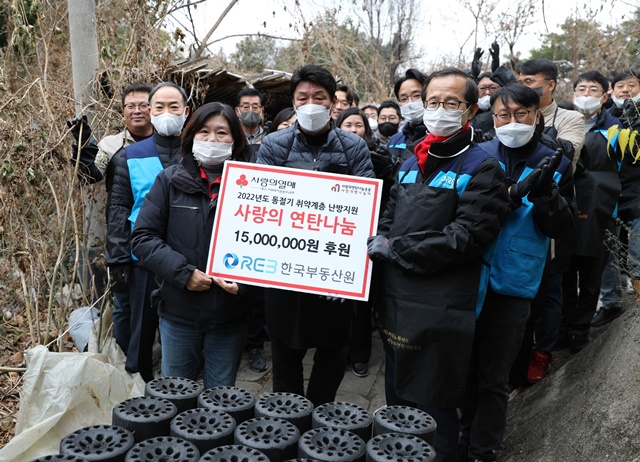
(242, 181)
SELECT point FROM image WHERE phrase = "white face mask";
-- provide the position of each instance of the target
(373, 123)
(636, 98)
(617, 102)
(168, 124)
(587, 104)
(515, 135)
(442, 122)
(313, 117)
(484, 103)
(413, 112)
(211, 153)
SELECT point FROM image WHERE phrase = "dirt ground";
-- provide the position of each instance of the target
(12, 344)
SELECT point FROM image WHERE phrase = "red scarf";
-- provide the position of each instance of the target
(421, 149)
(213, 187)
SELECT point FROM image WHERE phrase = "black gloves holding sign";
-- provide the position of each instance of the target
(378, 248)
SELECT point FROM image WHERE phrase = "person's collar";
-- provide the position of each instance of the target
(166, 141)
(131, 137)
(455, 144)
(522, 152)
(254, 135)
(548, 111)
(443, 146)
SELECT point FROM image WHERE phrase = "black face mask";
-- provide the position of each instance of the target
(388, 129)
(250, 119)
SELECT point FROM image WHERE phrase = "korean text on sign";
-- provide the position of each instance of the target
(295, 229)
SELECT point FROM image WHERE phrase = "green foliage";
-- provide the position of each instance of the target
(584, 45)
(17, 22)
(254, 54)
(6, 168)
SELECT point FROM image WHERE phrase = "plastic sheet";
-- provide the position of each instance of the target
(64, 392)
(80, 321)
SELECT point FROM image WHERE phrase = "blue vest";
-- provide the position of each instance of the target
(144, 165)
(519, 253)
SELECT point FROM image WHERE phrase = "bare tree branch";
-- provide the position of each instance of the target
(203, 45)
(259, 34)
(186, 5)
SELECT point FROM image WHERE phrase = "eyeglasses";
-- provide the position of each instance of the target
(520, 116)
(133, 106)
(415, 96)
(246, 106)
(488, 88)
(449, 105)
(391, 118)
(593, 90)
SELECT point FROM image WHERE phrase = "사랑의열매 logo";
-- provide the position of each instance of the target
(242, 181)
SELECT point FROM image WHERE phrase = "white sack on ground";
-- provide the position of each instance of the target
(64, 392)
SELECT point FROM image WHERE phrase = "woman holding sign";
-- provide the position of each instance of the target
(202, 319)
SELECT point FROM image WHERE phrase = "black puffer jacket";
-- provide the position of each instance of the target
(121, 198)
(171, 238)
(343, 149)
(303, 320)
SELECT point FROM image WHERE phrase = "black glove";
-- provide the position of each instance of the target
(519, 190)
(630, 117)
(119, 278)
(487, 136)
(495, 56)
(544, 184)
(384, 165)
(378, 248)
(80, 128)
(88, 153)
(476, 67)
(87, 169)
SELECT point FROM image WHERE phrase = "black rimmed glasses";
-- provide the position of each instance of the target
(133, 106)
(449, 105)
(520, 115)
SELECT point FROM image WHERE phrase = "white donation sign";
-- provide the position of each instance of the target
(295, 229)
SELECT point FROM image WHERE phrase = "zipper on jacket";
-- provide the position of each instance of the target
(185, 207)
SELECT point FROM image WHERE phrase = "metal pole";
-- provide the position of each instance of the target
(84, 63)
(84, 53)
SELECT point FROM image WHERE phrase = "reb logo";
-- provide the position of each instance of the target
(242, 181)
(230, 260)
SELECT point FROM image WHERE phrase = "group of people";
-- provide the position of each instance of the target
(489, 254)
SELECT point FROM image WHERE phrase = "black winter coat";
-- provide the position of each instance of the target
(121, 198)
(171, 238)
(303, 320)
(430, 285)
(342, 149)
(597, 188)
